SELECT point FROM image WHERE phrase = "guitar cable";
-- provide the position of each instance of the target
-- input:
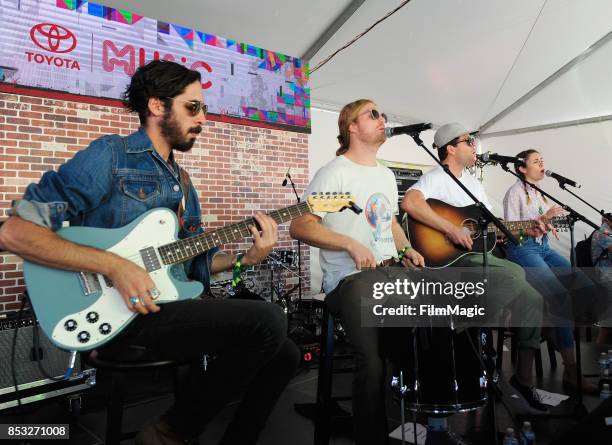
(37, 356)
(36, 352)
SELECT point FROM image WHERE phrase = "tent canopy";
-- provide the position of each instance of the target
(432, 60)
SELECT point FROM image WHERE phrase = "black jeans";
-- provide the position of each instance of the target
(254, 360)
(369, 414)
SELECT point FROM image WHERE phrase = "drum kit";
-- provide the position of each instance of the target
(438, 372)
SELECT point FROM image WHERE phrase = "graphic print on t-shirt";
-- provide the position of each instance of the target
(378, 214)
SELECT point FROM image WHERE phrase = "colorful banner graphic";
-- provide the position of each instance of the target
(79, 47)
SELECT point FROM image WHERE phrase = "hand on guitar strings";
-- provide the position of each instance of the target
(553, 212)
(262, 242)
(460, 235)
(135, 286)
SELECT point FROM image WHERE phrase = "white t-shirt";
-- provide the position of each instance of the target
(375, 191)
(438, 185)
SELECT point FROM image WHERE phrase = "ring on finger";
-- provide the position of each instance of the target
(135, 300)
(154, 293)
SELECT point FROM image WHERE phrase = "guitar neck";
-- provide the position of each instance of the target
(517, 226)
(185, 249)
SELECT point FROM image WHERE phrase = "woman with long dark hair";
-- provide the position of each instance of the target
(546, 270)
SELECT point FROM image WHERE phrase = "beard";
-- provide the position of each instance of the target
(171, 131)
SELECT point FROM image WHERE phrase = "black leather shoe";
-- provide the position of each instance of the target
(530, 395)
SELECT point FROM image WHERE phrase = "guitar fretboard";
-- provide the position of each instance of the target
(517, 226)
(185, 249)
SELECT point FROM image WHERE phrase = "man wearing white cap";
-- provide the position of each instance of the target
(457, 149)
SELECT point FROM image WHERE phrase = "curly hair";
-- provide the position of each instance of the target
(160, 78)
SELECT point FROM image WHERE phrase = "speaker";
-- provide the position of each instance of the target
(33, 385)
(53, 359)
(405, 178)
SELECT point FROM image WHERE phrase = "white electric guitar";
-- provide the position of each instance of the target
(81, 310)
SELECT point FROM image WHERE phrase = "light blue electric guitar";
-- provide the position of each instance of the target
(81, 310)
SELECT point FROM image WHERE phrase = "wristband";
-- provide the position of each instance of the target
(237, 270)
(402, 253)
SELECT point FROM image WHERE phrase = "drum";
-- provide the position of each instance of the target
(442, 368)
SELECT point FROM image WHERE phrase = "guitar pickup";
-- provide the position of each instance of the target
(150, 259)
(89, 283)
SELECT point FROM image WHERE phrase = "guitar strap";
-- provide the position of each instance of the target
(185, 186)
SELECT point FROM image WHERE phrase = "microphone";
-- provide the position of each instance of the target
(561, 179)
(494, 157)
(407, 129)
(287, 175)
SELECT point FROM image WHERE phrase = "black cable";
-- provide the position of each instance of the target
(328, 58)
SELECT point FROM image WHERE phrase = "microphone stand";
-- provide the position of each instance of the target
(563, 184)
(299, 245)
(572, 218)
(274, 262)
(486, 217)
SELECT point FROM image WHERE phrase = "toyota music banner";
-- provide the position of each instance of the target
(82, 48)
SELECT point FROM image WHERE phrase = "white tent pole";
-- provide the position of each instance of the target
(332, 29)
(590, 120)
(569, 65)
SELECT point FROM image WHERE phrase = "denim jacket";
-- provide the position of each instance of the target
(109, 184)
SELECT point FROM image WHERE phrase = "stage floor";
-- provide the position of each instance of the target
(150, 395)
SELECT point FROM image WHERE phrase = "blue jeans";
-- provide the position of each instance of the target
(551, 275)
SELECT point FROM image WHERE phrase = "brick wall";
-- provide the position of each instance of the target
(236, 169)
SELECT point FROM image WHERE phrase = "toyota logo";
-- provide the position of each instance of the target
(52, 37)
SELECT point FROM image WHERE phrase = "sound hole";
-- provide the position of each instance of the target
(472, 226)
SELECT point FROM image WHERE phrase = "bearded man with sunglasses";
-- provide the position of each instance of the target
(112, 182)
(350, 243)
(457, 149)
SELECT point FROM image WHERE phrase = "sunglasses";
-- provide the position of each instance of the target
(375, 114)
(471, 141)
(193, 106)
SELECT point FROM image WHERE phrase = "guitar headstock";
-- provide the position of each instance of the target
(561, 223)
(332, 202)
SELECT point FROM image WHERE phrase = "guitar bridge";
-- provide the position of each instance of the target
(89, 283)
(107, 281)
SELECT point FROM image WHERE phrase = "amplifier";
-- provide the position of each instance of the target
(33, 385)
(405, 178)
(287, 258)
